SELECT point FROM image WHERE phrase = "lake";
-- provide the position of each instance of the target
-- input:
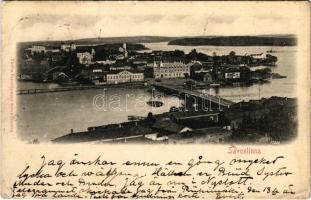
(49, 115)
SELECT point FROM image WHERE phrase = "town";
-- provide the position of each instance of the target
(75, 67)
(71, 64)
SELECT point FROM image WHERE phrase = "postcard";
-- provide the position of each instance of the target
(155, 100)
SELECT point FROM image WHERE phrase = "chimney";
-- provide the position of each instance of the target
(71, 131)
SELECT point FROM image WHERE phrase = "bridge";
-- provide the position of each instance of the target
(81, 87)
(197, 96)
(59, 89)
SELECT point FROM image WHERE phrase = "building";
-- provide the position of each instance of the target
(207, 78)
(118, 68)
(68, 47)
(170, 69)
(98, 76)
(232, 75)
(169, 127)
(124, 52)
(42, 49)
(60, 76)
(65, 47)
(196, 119)
(73, 47)
(85, 58)
(37, 49)
(235, 74)
(93, 53)
(115, 77)
(140, 64)
(201, 136)
(105, 62)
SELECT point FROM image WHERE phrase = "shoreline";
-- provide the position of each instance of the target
(81, 87)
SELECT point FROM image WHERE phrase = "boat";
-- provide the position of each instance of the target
(271, 51)
(155, 103)
(277, 76)
(135, 118)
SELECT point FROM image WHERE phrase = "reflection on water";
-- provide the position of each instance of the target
(50, 115)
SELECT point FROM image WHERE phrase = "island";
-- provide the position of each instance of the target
(286, 40)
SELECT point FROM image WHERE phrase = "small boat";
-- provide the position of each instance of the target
(155, 103)
(277, 76)
(135, 118)
(271, 51)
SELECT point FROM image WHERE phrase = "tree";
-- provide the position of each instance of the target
(192, 55)
(232, 54)
(150, 119)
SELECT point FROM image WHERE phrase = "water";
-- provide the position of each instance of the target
(286, 65)
(49, 115)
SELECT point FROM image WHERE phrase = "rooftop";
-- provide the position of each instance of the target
(107, 132)
(168, 126)
(193, 114)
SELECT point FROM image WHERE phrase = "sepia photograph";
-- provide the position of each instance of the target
(110, 78)
(155, 100)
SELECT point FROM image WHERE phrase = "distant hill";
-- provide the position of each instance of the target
(260, 40)
(264, 40)
(132, 39)
(107, 40)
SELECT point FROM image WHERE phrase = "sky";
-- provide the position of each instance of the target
(108, 19)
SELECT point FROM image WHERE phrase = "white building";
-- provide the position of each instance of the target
(68, 47)
(41, 49)
(124, 52)
(232, 75)
(65, 47)
(85, 58)
(120, 68)
(38, 49)
(105, 62)
(124, 76)
(170, 69)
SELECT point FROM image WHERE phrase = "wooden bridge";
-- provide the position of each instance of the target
(59, 89)
(72, 88)
(215, 100)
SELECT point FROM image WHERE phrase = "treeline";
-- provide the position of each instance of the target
(103, 40)
(237, 41)
(106, 50)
